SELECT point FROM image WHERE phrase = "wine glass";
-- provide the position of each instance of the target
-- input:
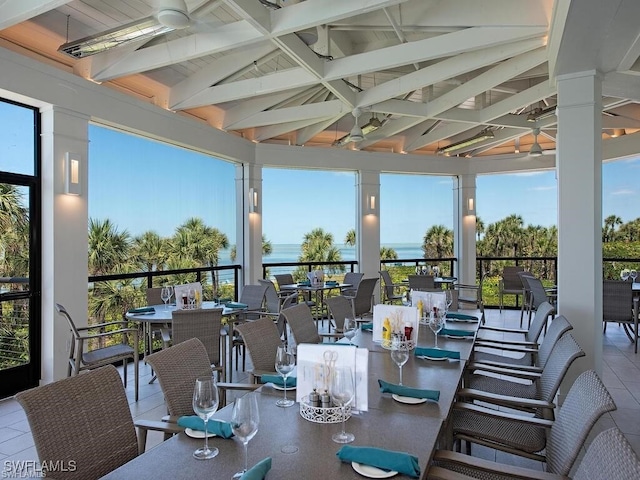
(285, 362)
(633, 274)
(424, 270)
(624, 275)
(417, 270)
(406, 298)
(436, 323)
(205, 404)
(448, 299)
(245, 419)
(342, 391)
(191, 295)
(399, 353)
(165, 295)
(349, 328)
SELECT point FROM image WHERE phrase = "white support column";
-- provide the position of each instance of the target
(368, 224)
(64, 236)
(579, 165)
(249, 233)
(464, 201)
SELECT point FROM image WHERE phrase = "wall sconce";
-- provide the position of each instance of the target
(253, 200)
(72, 174)
(470, 206)
(371, 204)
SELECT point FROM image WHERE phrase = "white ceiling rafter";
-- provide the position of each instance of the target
(259, 104)
(311, 111)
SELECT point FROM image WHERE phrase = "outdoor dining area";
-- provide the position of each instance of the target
(283, 383)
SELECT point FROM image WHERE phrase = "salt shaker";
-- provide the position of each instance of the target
(314, 399)
(325, 400)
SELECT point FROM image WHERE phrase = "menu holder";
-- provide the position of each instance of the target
(314, 370)
(391, 321)
(428, 300)
(184, 289)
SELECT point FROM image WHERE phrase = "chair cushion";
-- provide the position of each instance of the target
(114, 352)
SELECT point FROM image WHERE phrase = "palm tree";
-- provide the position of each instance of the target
(438, 242)
(109, 250)
(149, 250)
(14, 225)
(318, 246)
(609, 230)
(386, 253)
(479, 227)
(350, 238)
(267, 249)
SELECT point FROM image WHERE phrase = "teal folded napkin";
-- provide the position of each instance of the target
(237, 305)
(304, 284)
(461, 316)
(331, 283)
(258, 471)
(142, 310)
(221, 429)
(367, 326)
(457, 333)
(377, 457)
(277, 380)
(436, 353)
(403, 391)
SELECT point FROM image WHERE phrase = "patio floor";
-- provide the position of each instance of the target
(621, 375)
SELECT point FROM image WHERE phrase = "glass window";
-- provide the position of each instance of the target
(17, 142)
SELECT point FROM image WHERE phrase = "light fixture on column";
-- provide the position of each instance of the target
(371, 204)
(470, 206)
(253, 200)
(72, 174)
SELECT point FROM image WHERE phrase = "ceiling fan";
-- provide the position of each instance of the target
(169, 15)
(358, 133)
(536, 150)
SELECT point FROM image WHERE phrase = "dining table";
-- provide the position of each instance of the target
(300, 448)
(159, 315)
(318, 290)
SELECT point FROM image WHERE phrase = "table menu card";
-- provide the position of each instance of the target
(182, 292)
(394, 319)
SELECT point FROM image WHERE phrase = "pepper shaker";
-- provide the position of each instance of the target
(314, 399)
(325, 400)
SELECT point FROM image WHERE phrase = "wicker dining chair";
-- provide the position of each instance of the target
(303, 326)
(261, 340)
(510, 284)
(339, 308)
(83, 357)
(362, 301)
(530, 336)
(609, 457)
(389, 289)
(353, 279)
(81, 424)
(618, 307)
(557, 443)
(422, 282)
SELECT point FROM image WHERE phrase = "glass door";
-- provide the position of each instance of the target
(20, 317)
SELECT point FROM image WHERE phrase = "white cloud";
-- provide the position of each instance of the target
(541, 188)
(623, 191)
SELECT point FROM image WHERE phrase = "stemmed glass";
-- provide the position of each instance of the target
(633, 274)
(205, 404)
(285, 362)
(342, 391)
(165, 295)
(436, 323)
(245, 419)
(399, 353)
(350, 328)
(449, 299)
(406, 298)
(191, 295)
(624, 275)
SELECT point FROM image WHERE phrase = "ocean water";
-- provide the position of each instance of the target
(291, 252)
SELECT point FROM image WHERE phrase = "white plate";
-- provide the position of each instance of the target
(278, 387)
(197, 433)
(435, 359)
(408, 400)
(372, 472)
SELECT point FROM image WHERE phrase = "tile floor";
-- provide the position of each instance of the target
(621, 375)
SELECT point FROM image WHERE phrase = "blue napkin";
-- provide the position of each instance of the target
(403, 391)
(461, 316)
(221, 429)
(367, 326)
(304, 284)
(258, 471)
(377, 457)
(331, 283)
(142, 310)
(237, 305)
(457, 333)
(277, 380)
(436, 353)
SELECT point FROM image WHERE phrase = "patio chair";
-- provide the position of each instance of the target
(389, 289)
(533, 359)
(422, 282)
(261, 340)
(303, 326)
(618, 306)
(510, 284)
(557, 443)
(353, 279)
(84, 356)
(339, 308)
(77, 420)
(471, 295)
(535, 294)
(362, 301)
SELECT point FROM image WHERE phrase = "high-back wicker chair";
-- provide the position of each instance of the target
(362, 301)
(353, 279)
(301, 323)
(389, 292)
(421, 282)
(609, 457)
(530, 336)
(562, 439)
(203, 324)
(261, 339)
(154, 296)
(82, 422)
(510, 283)
(617, 306)
(339, 309)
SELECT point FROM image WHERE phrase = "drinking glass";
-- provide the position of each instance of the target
(449, 298)
(285, 362)
(406, 298)
(245, 419)
(165, 295)
(436, 323)
(633, 274)
(191, 295)
(342, 391)
(624, 275)
(424, 270)
(399, 353)
(350, 328)
(205, 404)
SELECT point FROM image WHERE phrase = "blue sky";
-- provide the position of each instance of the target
(166, 184)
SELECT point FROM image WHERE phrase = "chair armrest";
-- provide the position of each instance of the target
(143, 426)
(440, 473)
(513, 343)
(455, 458)
(526, 368)
(105, 324)
(510, 347)
(223, 387)
(489, 412)
(503, 329)
(510, 372)
(133, 331)
(331, 335)
(504, 400)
